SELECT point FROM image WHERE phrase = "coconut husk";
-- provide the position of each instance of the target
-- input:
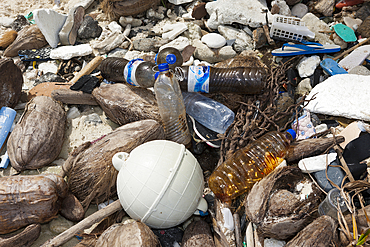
(277, 208)
(11, 81)
(37, 138)
(198, 233)
(116, 8)
(29, 199)
(124, 103)
(91, 174)
(131, 234)
(320, 233)
(24, 238)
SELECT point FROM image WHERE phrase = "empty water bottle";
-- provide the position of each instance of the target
(171, 106)
(140, 73)
(250, 164)
(206, 79)
(208, 112)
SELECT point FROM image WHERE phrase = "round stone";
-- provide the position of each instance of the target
(299, 10)
(214, 40)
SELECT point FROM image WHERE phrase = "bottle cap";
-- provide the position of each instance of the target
(292, 133)
(163, 67)
(171, 58)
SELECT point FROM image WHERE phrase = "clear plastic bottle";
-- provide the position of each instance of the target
(171, 106)
(208, 112)
(250, 164)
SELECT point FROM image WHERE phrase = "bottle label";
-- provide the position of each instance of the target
(198, 79)
(130, 70)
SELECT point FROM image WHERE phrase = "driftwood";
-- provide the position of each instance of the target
(320, 233)
(310, 147)
(68, 96)
(11, 81)
(126, 235)
(93, 64)
(275, 205)
(91, 174)
(125, 103)
(116, 8)
(84, 224)
(198, 233)
(23, 239)
(37, 138)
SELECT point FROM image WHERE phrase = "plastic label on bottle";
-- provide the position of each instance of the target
(198, 79)
(130, 70)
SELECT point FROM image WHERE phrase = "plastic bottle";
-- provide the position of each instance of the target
(169, 55)
(206, 79)
(208, 112)
(250, 164)
(171, 106)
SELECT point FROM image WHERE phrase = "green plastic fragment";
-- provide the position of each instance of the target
(344, 32)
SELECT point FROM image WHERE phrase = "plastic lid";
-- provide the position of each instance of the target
(171, 58)
(292, 133)
(163, 67)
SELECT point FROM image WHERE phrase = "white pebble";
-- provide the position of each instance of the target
(214, 40)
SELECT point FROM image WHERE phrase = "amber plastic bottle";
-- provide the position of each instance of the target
(250, 164)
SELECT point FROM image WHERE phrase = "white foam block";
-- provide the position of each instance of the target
(345, 95)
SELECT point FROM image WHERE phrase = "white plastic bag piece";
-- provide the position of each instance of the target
(228, 219)
(289, 28)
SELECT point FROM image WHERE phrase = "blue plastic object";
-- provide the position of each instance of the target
(171, 59)
(306, 48)
(331, 67)
(163, 67)
(7, 116)
(344, 32)
(292, 133)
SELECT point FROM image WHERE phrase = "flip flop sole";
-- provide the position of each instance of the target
(291, 51)
(68, 33)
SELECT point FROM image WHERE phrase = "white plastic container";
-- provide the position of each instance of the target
(160, 182)
(292, 28)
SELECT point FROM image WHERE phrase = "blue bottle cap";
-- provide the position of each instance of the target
(163, 67)
(292, 133)
(171, 58)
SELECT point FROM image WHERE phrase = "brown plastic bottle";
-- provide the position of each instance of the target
(250, 164)
(206, 79)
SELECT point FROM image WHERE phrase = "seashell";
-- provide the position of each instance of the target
(7, 38)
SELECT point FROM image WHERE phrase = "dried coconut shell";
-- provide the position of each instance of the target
(116, 8)
(29, 199)
(7, 38)
(320, 233)
(263, 205)
(37, 138)
(198, 233)
(91, 174)
(30, 37)
(11, 81)
(131, 234)
(125, 103)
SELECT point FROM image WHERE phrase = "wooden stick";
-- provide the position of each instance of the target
(93, 64)
(237, 230)
(267, 34)
(351, 49)
(84, 224)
